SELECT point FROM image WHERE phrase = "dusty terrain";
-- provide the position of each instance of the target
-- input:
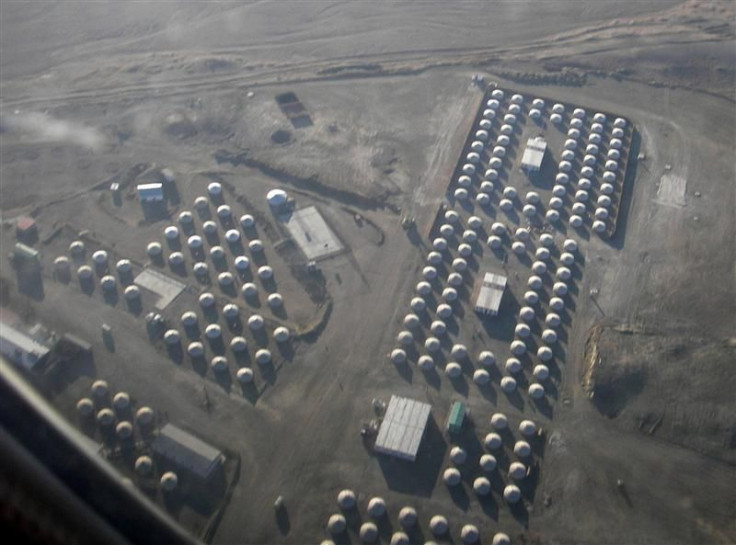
(91, 91)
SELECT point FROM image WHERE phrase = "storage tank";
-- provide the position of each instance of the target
(249, 290)
(455, 279)
(536, 391)
(573, 133)
(531, 297)
(438, 328)
(425, 363)
(105, 417)
(458, 455)
(481, 377)
(408, 517)
(544, 353)
(423, 288)
(552, 216)
(263, 356)
(506, 205)
(529, 210)
(568, 155)
(576, 123)
(488, 463)
(508, 384)
(368, 532)
(517, 471)
(451, 476)
(518, 247)
(154, 249)
(438, 525)
(432, 344)
(555, 118)
(595, 138)
(336, 524)
(459, 351)
(556, 304)
(238, 344)
(522, 330)
(607, 188)
(556, 203)
(434, 258)
(398, 356)
(599, 226)
(558, 108)
(506, 129)
(512, 494)
(518, 348)
(346, 499)
(576, 221)
(578, 113)
(213, 331)
(494, 242)
(539, 268)
(559, 289)
(265, 272)
(195, 349)
(411, 321)
(482, 486)
(244, 375)
(256, 322)
(247, 221)
(559, 191)
(535, 113)
(492, 441)
(449, 294)
(542, 254)
(522, 449)
(512, 366)
(169, 480)
(486, 358)
(604, 201)
(534, 282)
(461, 194)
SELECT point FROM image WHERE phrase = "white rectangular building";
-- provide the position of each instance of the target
(310, 231)
(489, 294)
(533, 156)
(21, 349)
(151, 192)
(402, 428)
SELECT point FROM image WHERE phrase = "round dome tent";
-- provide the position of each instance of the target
(276, 198)
(573, 133)
(132, 292)
(230, 311)
(481, 135)
(464, 249)
(275, 300)
(376, 507)
(510, 118)
(453, 370)
(529, 210)
(517, 471)
(438, 525)
(217, 253)
(499, 421)
(232, 236)
(256, 322)
(522, 330)
(501, 539)
(124, 430)
(225, 278)
(576, 123)
(405, 338)
(617, 133)
(434, 258)
(244, 375)
(108, 282)
(105, 417)
(411, 320)
(556, 203)
(458, 455)
(549, 336)
(563, 273)
(418, 304)
(459, 351)
(518, 348)
(485, 124)
(209, 227)
(596, 128)
(346, 499)
(438, 328)
(488, 463)
(541, 372)
(482, 486)
(247, 221)
(77, 248)
(478, 146)
(535, 113)
(400, 538)
(85, 406)
(423, 288)
(527, 314)
(154, 249)
(213, 331)
(255, 246)
(544, 353)
(522, 449)
(172, 337)
(555, 118)
(336, 524)
(169, 481)
(539, 268)
(195, 349)
(238, 344)
(451, 476)
(599, 226)
(481, 377)
(469, 169)
(143, 465)
(242, 263)
(511, 493)
(425, 363)
(206, 300)
(607, 189)
(534, 282)
(473, 157)
(531, 297)
(552, 216)
(536, 391)
(527, 428)
(508, 384)
(542, 254)
(439, 244)
(200, 203)
(576, 221)
(176, 258)
(447, 230)
(459, 264)
(494, 242)
(100, 257)
(171, 232)
(265, 272)
(214, 188)
(512, 366)
(186, 218)
(449, 294)
(506, 205)
(486, 358)
(492, 441)
(556, 304)
(249, 290)
(585, 183)
(398, 356)
(432, 344)
(408, 517)
(506, 129)
(263, 356)
(455, 279)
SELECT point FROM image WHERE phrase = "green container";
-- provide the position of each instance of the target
(457, 417)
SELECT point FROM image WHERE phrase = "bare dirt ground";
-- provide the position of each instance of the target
(90, 91)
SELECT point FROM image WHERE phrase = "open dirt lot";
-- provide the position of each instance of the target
(95, 94)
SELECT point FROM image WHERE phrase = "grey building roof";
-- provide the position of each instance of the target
(402, 428)
(16, 340)
(490, 293)
(185, 450)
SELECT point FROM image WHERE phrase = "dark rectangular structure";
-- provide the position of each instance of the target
(187, 452)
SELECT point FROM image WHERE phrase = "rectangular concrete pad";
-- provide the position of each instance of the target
(166, 287)
(402, 428)
(310, 231)
(671, 190)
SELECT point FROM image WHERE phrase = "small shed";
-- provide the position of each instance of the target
(455, 420)
(489, 294)
(26, 229)
(153, 192)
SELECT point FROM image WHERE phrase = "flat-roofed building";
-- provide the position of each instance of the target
(20, 348)
(186, 451)
(153, 192)
(402, 428)
(488, 295)
(533, 156)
